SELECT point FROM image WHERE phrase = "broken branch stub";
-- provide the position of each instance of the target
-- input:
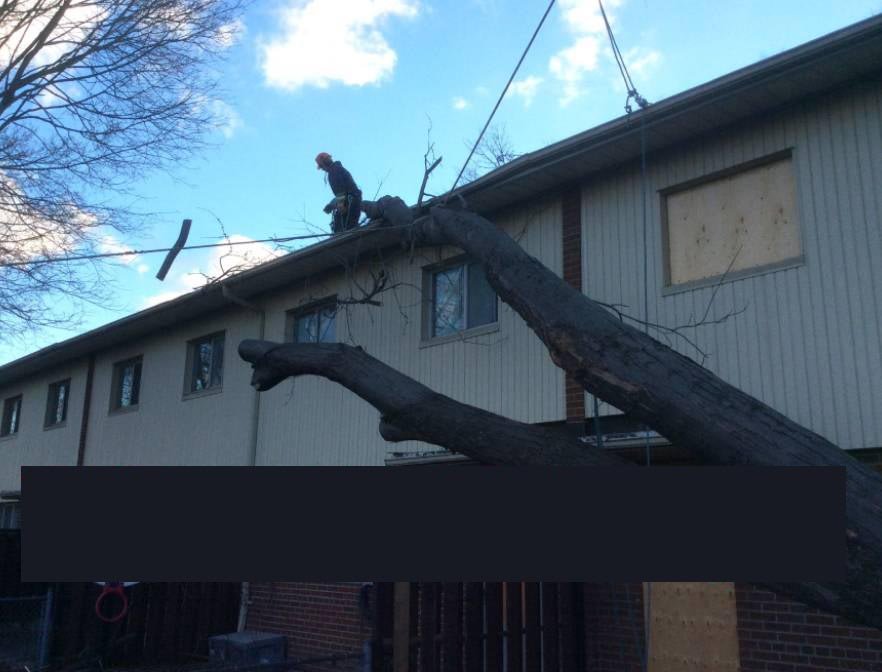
(391, 209)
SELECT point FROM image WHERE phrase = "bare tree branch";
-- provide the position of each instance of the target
(412, 411)
(93, 95)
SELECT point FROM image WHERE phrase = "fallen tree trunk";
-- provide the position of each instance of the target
(625, 367)
(678, 398)
(411, 411)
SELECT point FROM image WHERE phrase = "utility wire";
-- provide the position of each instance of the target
(502, 95)
(127, 253)
(156, 250)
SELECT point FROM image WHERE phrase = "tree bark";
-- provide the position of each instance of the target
(412, 411)
(625, 367)
(678, 398)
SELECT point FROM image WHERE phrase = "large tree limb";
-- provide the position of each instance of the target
(675, 396)
(412, 411)
(625, 367)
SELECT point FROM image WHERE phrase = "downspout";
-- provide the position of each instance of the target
(87, 405)
(255, 428)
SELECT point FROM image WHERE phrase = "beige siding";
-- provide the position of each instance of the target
(305, 422)
(508, 371)
(808, 342)
(33, 445)
(166, 429)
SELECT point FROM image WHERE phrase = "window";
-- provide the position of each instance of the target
(205, 363)
(461, 298)
(732, 223)
(314, 324)
(126, 385)
(56, 404)
(11, 416)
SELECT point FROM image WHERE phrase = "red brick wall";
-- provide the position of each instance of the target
(614, 627)
(777, 633)
(572, 273)
(318, 619)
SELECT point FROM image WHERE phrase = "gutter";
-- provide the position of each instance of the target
(731, 84)
(87, 405)
(245, 593)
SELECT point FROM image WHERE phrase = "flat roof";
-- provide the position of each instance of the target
(847, 55)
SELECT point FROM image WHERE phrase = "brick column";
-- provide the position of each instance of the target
(320, 620)
(572, 273)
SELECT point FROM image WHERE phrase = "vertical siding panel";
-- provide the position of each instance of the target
(819, 289)
(866, 334)
(837, 302)
(869, 155)
(805, 330)
(815, 371)
(850, 334)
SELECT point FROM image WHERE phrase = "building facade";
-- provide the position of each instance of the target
(741, 221)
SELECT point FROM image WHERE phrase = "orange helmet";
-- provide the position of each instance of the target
(322, 159)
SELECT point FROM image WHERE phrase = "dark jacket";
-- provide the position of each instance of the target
(341, 181)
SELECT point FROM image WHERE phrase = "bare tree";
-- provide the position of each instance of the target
(93, 94)
(613, 360)
(495, 149)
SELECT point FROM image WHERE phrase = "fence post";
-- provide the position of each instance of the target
(46, 630)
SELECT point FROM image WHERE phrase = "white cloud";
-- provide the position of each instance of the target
(526, 88)
(328, 41)
(584, 17)
(27, 234)
(230, 33)
(221, 261)
(75, 23)
(460, 103)
(226, 119)
(142, 269)
(642, 61)
(570, 65)
(108, 244)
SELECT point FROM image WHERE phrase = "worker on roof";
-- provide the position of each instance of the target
(346, 204)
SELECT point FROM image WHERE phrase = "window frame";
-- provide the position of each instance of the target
(116, 383)
(189, 392)
(292, 316)
(4, 434)
(793, 262)
(428, 312)
(51, 404)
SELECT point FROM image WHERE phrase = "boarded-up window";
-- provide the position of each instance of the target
(738, 221)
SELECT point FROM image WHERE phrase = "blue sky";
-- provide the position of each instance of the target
(361, 79)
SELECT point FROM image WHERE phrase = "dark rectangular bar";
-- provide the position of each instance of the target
(577, 524)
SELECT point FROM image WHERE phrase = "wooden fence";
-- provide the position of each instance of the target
(166, 622)
(477, 627)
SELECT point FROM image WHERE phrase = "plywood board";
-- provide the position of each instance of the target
(746, 220)
(692, 627)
